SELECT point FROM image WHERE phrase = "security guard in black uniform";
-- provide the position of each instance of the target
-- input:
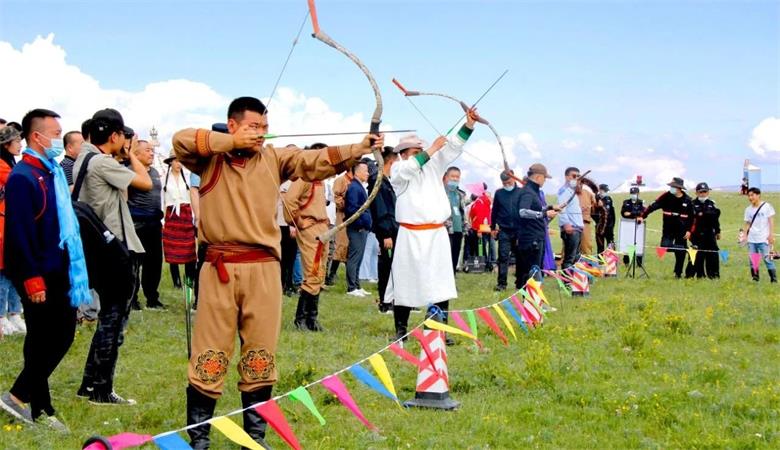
(678, 218)
(605, 224)
(632, 208)
(705, 234)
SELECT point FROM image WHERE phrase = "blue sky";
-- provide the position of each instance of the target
(680, 86)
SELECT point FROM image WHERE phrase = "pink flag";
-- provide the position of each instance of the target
(526, 316)
(122, 441)
(755, 260)
(334, 385)
(461, 323)
(274, 416)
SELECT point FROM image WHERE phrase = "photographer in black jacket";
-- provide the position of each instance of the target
(384, 225)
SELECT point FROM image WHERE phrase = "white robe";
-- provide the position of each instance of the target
(422, 262)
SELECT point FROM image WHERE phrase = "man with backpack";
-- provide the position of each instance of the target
(45, 263)
(758, 233)
(103, 186)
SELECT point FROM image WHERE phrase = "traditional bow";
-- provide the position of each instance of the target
(376, 119)
(407, 93)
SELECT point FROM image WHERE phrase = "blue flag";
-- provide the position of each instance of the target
(369, 380)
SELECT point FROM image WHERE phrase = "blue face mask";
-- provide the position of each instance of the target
(452, 184)
(57, 148)
(509, 188)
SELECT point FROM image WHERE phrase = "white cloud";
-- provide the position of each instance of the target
(766, 137)
(598, 149)
(655, 171)
(482, 159)
(570, 144)
(169, 105)
(577, 128)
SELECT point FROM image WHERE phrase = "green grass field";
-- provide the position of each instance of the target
(658, 363)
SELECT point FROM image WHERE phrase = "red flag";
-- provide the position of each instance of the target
(660, 251)
(403, 354)
(488, 318)
(274, 416)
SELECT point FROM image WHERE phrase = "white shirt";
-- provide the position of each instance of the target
(176, 192)
(283, 188)
(330, 208)
(759, 231)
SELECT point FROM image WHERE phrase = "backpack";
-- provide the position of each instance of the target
(109, 263)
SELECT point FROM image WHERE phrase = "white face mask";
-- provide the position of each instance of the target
(634, 197)
(573, 183)
(673, 191)
(704, 199)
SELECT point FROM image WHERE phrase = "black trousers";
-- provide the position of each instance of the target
(507, 243)
(678, 246)
(51, 326)
(456, 240)
(528, 255)
(605, 239)
(707, 260)
(150, 265)
(355, 251)
(571, 248)
(384, 266)
(110, 334)
(289, 250)
(190, 272)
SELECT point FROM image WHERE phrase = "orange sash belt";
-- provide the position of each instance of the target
(218, 255)
(421, 226)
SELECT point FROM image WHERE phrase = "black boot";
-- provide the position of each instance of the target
(254, 424)
(312, 311)
(200, 408)
(334, 268)
(300, 312)
(754, 273)
(772, 275)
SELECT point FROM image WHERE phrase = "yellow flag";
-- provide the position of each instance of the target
(504, 319)
(235, 433)
(692, 253)
(378, 363)
(434, 325)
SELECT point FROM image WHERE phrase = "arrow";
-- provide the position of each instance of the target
(346, 133)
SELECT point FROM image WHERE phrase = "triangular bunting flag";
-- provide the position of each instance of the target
(272, 414)
(513, 312)
(504, 319)
(302, 395)
(378, 363)
(661, 252)
(124, 440)
(692, 254)
(521, 309)
(334, 385)
(755, 260)
(484, 314)
(235, 433)
(724, 255)
(530, 299)
(403, 354)
(434, 325)
(171, 442)
(562, 286)
(472, 322)
(366, 378)
(458, 319)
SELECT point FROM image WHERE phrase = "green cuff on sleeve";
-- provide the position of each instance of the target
(465, 132)
(422, 158)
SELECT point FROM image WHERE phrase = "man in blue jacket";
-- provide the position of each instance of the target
(358, 230)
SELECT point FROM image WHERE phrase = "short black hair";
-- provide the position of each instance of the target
(358, 164)
(242, 104)
(2, 121)
(85, 125)
(451, 169)
(317, 146)
(31, 120)
(388, 154)
(569, 170)
(754, 190)
(68, 137)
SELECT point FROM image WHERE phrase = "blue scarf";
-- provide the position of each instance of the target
(69, 233)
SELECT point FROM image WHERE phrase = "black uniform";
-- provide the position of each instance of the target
(706, 228)
(532, 231)
(605, 223)
(631, 210)
(384, 227)
(678, 218)
(504, 217)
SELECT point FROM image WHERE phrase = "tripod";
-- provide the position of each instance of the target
(631, 270)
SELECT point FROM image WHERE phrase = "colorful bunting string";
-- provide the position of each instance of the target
(272, 414)
(301, 395)
(334, 385)
(504, 319)
(508, 306)
(484, 314)
(235, 433)
(369, 380)
(378, 363)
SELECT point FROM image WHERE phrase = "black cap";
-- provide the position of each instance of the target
(604, 187)
(702, 187)
(634, 190)
(110, 119)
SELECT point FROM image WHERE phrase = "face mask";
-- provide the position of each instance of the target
(509, 188)
(704, 199)
(634, 197)
(673, 191)
(56, 148)
(452, 184)
(572, 183)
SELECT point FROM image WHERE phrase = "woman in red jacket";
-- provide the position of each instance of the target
(10, 304)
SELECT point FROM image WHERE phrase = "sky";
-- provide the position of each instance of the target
(657, 88)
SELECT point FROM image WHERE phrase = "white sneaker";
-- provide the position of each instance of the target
(18, 323)
(356, 293)
(7, 327)
(365, 292)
